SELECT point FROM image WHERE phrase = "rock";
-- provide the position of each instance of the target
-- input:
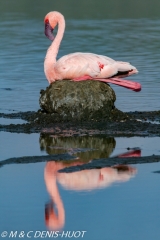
(78, 100)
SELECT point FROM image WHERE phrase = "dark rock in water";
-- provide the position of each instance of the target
(78, 100)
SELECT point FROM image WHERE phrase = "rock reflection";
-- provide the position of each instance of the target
(84, 147)
(85, 180)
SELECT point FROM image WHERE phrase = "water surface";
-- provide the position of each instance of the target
(120, 203)
(108, 203)
(23, 46)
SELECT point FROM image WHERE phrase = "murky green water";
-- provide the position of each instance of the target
(106, 203)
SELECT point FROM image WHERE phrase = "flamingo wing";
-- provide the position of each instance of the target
(77, 65)
(81, 64)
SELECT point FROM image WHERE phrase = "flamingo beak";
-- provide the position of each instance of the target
(49, 31)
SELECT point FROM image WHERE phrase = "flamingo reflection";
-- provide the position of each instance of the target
(85, 148)
(79, 181)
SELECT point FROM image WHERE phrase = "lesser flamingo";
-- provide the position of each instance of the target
(82, 66)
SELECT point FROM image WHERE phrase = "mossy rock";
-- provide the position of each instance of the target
(78, 100)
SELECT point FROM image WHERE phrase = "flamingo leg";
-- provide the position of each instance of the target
(135, 152)
(134, 86)
(83, 78)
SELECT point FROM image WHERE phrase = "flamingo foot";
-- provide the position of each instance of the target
(134, 86)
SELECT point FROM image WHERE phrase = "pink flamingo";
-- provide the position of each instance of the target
(82, 66)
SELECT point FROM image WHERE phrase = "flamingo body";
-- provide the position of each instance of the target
(82, 66)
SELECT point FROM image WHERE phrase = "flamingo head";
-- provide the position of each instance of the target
(50, 21)
(48, 27)
(52, 220)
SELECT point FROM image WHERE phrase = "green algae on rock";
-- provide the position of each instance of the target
(78, 100)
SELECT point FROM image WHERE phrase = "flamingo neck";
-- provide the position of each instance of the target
(50, 59)
(51, 184)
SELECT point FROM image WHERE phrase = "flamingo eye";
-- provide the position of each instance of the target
(46, 20)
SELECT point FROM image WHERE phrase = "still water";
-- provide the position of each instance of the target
(106, 203)
(23, 47)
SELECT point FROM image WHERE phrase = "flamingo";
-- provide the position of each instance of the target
(82, 66)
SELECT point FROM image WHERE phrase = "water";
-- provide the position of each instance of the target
(101, 206)
(126, 210)
(107, 203)
(23, 47)
(85, 147)
(6, 121)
